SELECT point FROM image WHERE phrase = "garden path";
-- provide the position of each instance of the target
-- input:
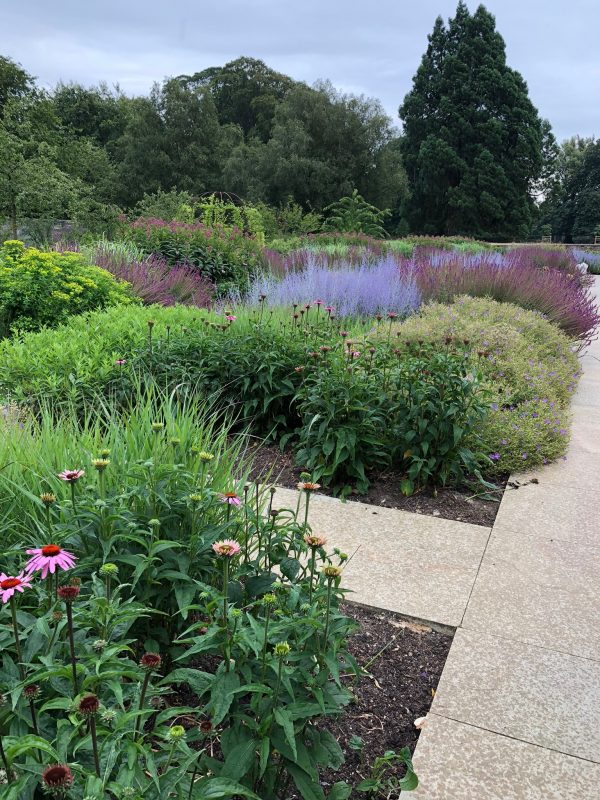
(517, 712)
(516, 715)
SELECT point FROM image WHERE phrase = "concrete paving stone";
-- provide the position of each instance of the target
(417, 565)
(539, 590)
(588, 389)
(579, 470)
(568, 513)
(455, 761)
(529, 693)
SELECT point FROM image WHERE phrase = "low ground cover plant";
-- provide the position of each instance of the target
(168, 630)
(40, 289)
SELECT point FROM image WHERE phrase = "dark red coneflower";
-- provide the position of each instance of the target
(57, 779)
(88, 705)
(150, 661)
(32, 692)
(68, 593)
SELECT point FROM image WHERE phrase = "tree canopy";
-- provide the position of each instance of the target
(473, 140)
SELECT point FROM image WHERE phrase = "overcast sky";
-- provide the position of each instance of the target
(371, 47)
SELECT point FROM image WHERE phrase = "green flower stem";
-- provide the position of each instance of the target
(225, 589)
(278, 684)
(170, 758)
(312, 573)
(246, 526)
(73, 497)
(306, 509)
(95, 744)
(34, 724)
(13, 608)
(328, 612)
(265, 643)
(72, 647)
(142, 700)
(48, 519)
(5, 762)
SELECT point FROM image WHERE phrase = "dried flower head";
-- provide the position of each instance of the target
(57, 616)
(32, 692)
(205, 726)
(157, 702)
(88, 705)
(57, 779)
(150, 661)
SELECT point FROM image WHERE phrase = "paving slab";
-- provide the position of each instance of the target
(553, 509)
(578, 470)
(418, 565)
(525, 692)
(588, 389)
(539, 590)
(455, 761)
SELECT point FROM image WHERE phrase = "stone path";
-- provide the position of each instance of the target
(517, 712)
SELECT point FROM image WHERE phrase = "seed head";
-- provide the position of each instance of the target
(68, 593)
(269, 599)
(150, 662)
(108, 716)
(205, 726)
(108, 570)
(47, 498)
(32, 692)
(57, 780)
(88, 705)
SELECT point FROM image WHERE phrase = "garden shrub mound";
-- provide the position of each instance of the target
(40, 289)
(530, 374)
(144, 571)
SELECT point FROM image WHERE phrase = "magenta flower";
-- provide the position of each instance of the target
(228, 548)
(494, 456)
(120, 361)
(71, 475)
(48, 558)
(9, 585)
(230, 318)
(231, 499)
(355, 354)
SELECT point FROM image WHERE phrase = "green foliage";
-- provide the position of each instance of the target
(353, 214)
(171, 206)
(384, 781)
(251, 646)
(529, 371)
(43, 289)
(413, 411)
(226, 256)
(472, 141)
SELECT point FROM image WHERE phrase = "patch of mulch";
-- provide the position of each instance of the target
(398, 689)
(456, 504)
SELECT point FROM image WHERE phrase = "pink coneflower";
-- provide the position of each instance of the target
(9, 585)
(230, 318)
(318, 302)
(57, 779)
(68, 593)
(355, 354)
(120, 362)
(329, 309)
(231, 498)
(71, 475)
(308, 486)
(228, 548)
(150, 661)
(314, 541)
(343, 334)
(48, 558)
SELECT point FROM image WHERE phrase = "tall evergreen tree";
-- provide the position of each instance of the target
(472, 140)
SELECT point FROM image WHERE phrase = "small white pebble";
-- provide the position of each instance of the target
(419, 722)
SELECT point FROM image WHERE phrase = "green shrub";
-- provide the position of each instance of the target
(40, 289)
(177, 670)
(228, 257)
(527, 364)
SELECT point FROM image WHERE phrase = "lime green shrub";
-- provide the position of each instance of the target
(39, 289)
(528, 364)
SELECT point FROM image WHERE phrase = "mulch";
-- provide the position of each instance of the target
(463, 505)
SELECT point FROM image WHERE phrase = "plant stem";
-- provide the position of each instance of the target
(33, 718)
(142, 699)
(194, 773)
(72, 647)
(312, 574)
(265, 643)
(13, 608)
(5, 762)
(95, 744)
(329, 584)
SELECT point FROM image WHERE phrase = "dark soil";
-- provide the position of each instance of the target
(398, 689)
(457, 504)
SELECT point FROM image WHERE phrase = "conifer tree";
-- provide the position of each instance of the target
(473, 140)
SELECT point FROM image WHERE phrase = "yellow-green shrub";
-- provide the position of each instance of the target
(40, 289)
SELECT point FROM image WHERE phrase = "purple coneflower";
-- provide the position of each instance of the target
(10, 584)
(48, 558)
